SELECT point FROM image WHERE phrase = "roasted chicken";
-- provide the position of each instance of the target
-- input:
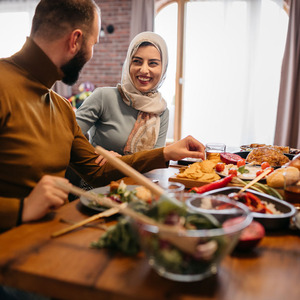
(269, 154)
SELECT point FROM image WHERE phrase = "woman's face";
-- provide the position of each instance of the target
(145, 68)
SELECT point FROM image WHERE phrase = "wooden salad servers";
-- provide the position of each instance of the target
(167, 232)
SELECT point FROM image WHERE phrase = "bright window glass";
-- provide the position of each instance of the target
(232, 63)
(13, 39)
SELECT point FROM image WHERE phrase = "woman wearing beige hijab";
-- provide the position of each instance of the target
(132, 116)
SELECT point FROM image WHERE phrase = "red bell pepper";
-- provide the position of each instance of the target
(257, 205)
(212, 186)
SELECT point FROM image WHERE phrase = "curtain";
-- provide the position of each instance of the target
(288, 115)
(142, 16)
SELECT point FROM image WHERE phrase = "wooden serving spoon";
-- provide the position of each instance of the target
(187, 244)
(256, 179)
(166, 232)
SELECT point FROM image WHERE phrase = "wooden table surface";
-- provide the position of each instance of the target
(67, 268)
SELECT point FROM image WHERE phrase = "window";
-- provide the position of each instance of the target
(15, 24)
(231, 68)
(19, 27)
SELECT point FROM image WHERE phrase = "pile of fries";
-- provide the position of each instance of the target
(201, 171)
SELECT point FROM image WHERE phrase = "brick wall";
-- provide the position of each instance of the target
(105, 68)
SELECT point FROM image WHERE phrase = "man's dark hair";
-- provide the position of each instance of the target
(54, 18)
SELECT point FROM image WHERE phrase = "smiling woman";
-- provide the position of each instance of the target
(132, 116)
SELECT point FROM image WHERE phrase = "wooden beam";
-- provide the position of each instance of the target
(179, 72)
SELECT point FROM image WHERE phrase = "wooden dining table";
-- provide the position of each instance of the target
(66, 267)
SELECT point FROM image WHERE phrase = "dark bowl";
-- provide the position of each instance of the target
(270, 222)
(244, 154)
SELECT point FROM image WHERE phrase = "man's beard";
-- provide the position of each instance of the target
(72, 68)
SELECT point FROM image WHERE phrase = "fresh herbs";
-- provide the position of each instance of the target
(243, 169)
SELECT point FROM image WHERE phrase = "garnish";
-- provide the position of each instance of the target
(243, 169)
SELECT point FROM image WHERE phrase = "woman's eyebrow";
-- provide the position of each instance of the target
(152, 59)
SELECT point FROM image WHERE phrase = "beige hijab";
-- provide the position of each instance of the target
(151, 104)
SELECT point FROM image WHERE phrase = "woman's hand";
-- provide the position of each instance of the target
(44, 197)
(101, 160)
(187, 147)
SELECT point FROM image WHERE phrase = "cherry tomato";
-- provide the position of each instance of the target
(220, 167)
(232, 171)
(265, 165)
(241, 162)
(272, 169)
(259, 172)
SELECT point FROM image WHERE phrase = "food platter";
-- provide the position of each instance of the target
(101, 190)
(244, 154)
(248, 148)
(269, 221)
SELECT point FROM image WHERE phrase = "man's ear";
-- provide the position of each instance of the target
(75, 41)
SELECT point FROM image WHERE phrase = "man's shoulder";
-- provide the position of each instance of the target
(11, 74)
(61, 100)
(6, 65)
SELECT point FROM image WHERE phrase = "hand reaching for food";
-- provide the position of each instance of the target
(187, 147)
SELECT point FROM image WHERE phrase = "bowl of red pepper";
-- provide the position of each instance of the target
(271, 212)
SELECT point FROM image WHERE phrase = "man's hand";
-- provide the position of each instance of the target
(101, 160)
(45, 196)
(187, 147)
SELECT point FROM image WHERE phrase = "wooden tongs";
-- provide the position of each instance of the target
(256, 179)
(167, 232)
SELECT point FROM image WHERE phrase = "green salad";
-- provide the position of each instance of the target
(119, 193)
(130, 237)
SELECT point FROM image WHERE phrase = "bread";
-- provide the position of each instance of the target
(267, 154)
(143, 193)
(295, 162)
(276, 178)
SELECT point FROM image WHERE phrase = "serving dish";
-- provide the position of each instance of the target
(244, 154)
(293, 151)
(103, 191)
(245, 176)
(269, 221)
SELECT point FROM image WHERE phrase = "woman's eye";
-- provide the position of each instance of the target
(136, 61)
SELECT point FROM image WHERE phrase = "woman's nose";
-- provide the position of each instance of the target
(144, 68)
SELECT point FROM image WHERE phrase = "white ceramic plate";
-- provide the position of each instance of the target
(101, 190)
(245, 176)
